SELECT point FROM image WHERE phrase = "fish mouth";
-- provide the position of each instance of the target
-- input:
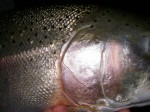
(140, 97)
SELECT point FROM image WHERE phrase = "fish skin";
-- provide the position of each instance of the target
(31, 42)
(29, 49)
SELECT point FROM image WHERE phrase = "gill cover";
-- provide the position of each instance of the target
(104, 71)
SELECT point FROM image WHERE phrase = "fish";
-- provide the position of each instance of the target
(87, 58)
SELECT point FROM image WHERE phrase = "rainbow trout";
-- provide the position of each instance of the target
(86, 58)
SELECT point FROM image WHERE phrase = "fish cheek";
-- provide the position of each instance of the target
(77, 91)
(91, 71)
(80, 69)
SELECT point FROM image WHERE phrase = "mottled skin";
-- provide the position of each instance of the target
(28, 39)
(38, 52)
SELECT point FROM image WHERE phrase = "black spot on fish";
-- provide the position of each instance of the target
(32, 16)
(45, 28)
(91, 26)
(36, 20)
(127, 24)
(12, 33)
(31, 29)
(3, 46)
(42, 17)
(20, 44)
(31, 23)
(65, 26)
(17, 23)
(109, 20)
(67, 16)
(136, 25)
(51, 43)
(144, 36)
(78, 11)
(64, 41)
(31, 59)
(72, 10)
(88, 12)
(13, 41)
(60, 19)
(54, 52)
(28, 39)
(103, 14)
(95, 20)
(77, 17)
(5, 39)
(25, 27)
(52, 15)
(20, 31)
(35, 34)
(40, 41)
(81, 21)
(53, 26)
(45, 37)
(60, 28)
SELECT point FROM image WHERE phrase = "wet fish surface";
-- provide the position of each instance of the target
(88, 57)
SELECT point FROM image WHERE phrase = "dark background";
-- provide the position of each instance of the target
(138, 6)
(141, 7)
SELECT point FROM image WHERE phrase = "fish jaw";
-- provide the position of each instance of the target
(104, 74)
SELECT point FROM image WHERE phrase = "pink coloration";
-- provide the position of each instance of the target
(59, 108)
(111, 68)
(125, 110)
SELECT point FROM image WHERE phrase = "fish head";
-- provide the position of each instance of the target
(103, 55)
(106, 66)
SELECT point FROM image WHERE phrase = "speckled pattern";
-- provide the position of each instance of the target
(29, 47)
(31, 42)
(37, 27)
